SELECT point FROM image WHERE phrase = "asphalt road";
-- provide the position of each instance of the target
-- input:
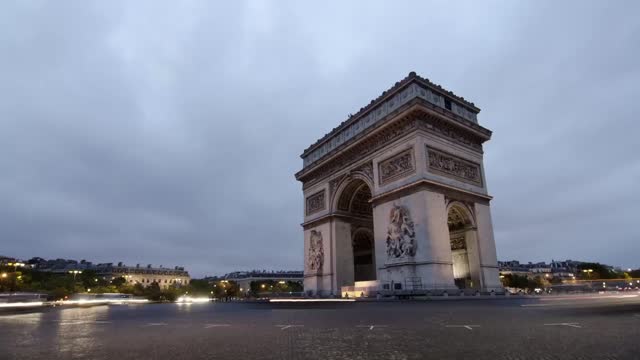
(554, 327)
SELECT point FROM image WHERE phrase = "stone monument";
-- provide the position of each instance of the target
(395, 198)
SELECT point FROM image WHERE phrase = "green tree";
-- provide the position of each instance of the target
(119, 281)
(171, 293)
(153, 292)
(515, 281)
(598, 271)
(199, 287)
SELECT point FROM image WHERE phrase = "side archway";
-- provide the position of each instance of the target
(461, 226)
(363, 255)
(354, 239)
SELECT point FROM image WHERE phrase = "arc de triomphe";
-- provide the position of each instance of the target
(396, 197)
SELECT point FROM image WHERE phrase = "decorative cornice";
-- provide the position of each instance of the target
(410, 262)
(411, 87)
(417, 116)
(424, 184)
(366, 147)
(338, 215)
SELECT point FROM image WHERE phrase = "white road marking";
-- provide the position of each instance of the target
(157, 324)
(371, 327)
(575, 325)
(284, 327)
(208, 326)
(467, 326)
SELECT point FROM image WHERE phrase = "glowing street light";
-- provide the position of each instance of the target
(75, 272)
(16, 265)
(4, 275)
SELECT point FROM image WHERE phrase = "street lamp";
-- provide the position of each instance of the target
(588, 271)
(16, 265)
(75, 272)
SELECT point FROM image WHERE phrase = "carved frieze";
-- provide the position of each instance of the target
(401, 235)
(363, 149)
(458, 242)
(315, 258)
(316, 202)
(445, 164)
(416, 120)
(397, 166)
(450, 132)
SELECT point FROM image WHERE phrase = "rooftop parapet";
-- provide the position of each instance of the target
(409, 88)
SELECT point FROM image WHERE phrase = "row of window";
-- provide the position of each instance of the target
(159, 281)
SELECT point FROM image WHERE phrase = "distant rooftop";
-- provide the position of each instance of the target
(411, 87)
(262, 274)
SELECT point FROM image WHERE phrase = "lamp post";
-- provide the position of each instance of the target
(16, 265)
(75, 272)
(588, 271)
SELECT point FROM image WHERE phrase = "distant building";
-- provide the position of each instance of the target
(4, 260)
(132, 274)
(559, 269)
(245, 278)
(165, 277)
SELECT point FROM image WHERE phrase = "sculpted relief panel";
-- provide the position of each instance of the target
(315, 257)
(445, 130)
(401, 235)
(397, 166)
(315, 202)
(451, 166)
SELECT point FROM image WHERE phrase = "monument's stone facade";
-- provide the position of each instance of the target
(396, 197)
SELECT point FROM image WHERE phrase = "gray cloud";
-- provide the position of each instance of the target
(169, 132)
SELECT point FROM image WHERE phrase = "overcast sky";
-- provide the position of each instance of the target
(169, 132)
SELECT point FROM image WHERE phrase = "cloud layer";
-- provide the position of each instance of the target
(169, 133)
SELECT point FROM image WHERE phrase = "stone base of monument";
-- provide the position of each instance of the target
(361, 289)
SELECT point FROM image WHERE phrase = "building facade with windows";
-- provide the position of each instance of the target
(165, 277)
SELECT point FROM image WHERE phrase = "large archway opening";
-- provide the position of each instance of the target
(459, 222)
(354, 204)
